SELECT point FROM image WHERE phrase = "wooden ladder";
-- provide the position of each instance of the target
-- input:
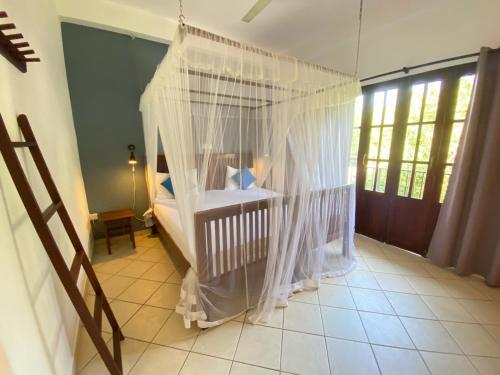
(40, 219)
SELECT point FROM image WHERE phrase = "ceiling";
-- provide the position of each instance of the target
(395, 33)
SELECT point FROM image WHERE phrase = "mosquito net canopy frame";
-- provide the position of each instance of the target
(257, 146)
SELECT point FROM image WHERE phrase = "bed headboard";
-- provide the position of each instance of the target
(217, 165)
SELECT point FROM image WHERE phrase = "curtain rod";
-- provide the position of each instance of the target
(407, 69)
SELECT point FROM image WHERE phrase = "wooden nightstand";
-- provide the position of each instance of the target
(117, 223)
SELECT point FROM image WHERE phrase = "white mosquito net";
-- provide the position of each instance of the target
(257, 146)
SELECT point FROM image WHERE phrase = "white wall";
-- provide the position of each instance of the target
(38, 324)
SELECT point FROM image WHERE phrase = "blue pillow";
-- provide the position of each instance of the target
(167, 184)
(244, 178)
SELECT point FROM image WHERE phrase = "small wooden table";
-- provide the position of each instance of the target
(117, 223)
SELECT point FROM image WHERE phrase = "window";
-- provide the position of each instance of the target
(418, 139)
(379, 149)
(353, 161)
(465, 87)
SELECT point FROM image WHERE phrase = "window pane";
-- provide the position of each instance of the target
(417, 96)
(390, 106)
(381, 176)
(425, 143)
(374, 143)
(358, 111)
(463, 99)
(410, 142)
(404, 179)
(431, 100)
(417, 191)
(352, 171)
(355, 143)
(446, 180)
(385, 146)
(370, 175)
(456, 132)
(378, 107)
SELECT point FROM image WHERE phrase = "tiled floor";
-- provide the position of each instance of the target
(395, 314)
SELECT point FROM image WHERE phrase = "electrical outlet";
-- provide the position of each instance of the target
(94, 217)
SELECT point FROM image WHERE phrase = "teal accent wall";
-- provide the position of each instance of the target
(107, 73)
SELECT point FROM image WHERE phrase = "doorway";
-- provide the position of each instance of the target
(408, 138)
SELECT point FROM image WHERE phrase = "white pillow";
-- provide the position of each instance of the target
(161, 192)
(233, 185)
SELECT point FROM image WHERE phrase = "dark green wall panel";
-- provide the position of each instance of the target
(107, 73)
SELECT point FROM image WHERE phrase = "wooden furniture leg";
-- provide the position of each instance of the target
(132, 235)
(108, 243)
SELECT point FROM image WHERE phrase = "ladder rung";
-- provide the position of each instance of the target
(76, 265)
(23, 144)
(51, 210)
(98, 309)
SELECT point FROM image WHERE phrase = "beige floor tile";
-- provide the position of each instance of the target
(134, 254)
(303, 317)
(244, 369)
(148, 241)
(382, 265)
(461, 289)
(394, 283)
(485, 312)
(85, 348)
(304, 354)
(368, 247)
(113, 266)
(122, 310)
(427, 286)
(131, 351)
(174, 334)
(393, 252)
(486, 366)
(175, 278)
(339, 280)
(440, 272)
(488, 291)
(361, 264)
(445, 364)
(155, 254)
(410, 305)
(260, 346)
(159, 272)
(201, 364)
(343, 324)
(371, 300)
(410, 268)
(430, 335)
(146, 323)
(448, 309)
(395, 361)
(494, 331)
(136, 268)
(473, 339)
(140, 291)
(362, 279)
(336, 296)
(351, 358)
(115, 285)
(306, 296)
(219, 341)
(166, 296)
(160, 360)
(275, 320)
(385, 330)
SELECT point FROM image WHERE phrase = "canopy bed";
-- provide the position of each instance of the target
(252, 190)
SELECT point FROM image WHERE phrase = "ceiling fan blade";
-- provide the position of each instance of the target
(255, 10)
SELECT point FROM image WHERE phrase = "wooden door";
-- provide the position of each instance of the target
(400, 188)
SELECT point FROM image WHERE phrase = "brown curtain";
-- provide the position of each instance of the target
(467, 234)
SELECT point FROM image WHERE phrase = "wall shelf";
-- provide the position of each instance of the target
(12, 47)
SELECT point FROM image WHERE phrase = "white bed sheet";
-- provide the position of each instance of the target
(166, 210)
